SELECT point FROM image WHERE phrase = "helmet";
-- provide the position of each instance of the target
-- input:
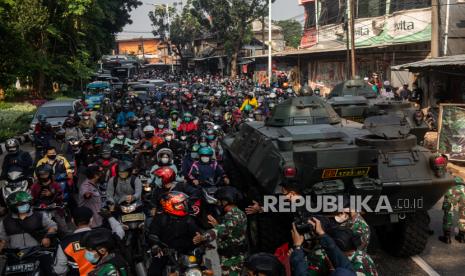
(208, 151)
(149, 128)
(69, 122)
(146, 146)
(265, 263)
(60, 134)
(106, 152)
(98, 238)
(175, 203)
(44, 171)
(18, 198)
(98, 141)
(174, 112)
(187, 116)
(229, 194)
(164, 151)
(168, 132)
(124, 166)
(101, 125)
(166, 174)
(12, 145)
(42, 118)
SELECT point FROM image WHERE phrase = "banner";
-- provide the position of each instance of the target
(451, 131)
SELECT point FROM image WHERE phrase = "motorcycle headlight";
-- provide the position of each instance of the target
(193, 272)
(128, 209)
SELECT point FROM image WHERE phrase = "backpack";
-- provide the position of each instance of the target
(132, 182)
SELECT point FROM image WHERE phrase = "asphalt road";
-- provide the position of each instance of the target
(437, 259)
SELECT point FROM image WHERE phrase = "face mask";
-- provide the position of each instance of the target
(211, 137)
(161, 126)
(120, 137)
(203, 144)
(147, 118)
(86, 117)
(22, 209)
(340, 218)
(106, 156)
(123, 175)
(205, 159)
(169, 138)
(148, 135)
(90, 257)
(165, 160)
(194, 155)
(187, 120)
(52, 156)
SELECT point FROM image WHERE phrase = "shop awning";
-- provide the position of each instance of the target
(447, 61)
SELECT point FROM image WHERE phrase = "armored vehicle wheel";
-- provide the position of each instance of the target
(408, 237)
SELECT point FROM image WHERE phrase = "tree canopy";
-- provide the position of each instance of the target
(49, 41)
(292, 30)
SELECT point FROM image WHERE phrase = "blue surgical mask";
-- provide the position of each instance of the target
(90, 257)
(22, 209)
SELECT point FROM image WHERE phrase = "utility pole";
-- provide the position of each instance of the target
(352, 36)
(270, 61)
(142, 46)
(434, 28)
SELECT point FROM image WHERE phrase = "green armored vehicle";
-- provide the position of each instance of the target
(355, 100)
(304, 140)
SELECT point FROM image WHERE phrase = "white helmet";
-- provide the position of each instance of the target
(272, 95)
(148, 128)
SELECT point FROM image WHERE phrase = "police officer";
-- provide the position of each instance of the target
(454, 199)
(16, 158)
(70, 257)
(230, 233)
(100, 250)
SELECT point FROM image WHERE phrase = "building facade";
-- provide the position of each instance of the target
(152, 50)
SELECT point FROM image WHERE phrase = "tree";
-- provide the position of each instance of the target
(57, 40)
(180, 32)
(292, 30)
(231, 21)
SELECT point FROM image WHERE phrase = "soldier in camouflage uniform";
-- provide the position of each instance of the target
(362, 263)
(454, 199)
(359, 226)
(230, 234)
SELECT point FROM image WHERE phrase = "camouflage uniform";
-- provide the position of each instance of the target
(231, 240)
(454, 199)
(363, 264)
(317, 262)
(360, 227)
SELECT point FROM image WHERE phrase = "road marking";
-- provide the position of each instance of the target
(424, 265)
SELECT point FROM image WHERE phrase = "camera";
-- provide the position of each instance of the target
(307, 230)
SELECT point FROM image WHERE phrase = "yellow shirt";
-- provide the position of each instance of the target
(252, 102)
(59, 158)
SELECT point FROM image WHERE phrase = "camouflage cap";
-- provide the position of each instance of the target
(458, 180)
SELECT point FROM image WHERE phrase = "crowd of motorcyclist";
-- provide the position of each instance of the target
(159, 163)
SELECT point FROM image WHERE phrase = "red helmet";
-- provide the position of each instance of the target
(166, 174)
(175, 203)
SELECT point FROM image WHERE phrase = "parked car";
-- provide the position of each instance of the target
(57, 111)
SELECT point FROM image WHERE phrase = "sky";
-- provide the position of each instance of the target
(141, 26)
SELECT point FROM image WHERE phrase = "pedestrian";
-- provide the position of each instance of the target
(90, 196)
(404, 93)
(454, 199)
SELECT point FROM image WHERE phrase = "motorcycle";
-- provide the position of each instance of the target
(181, 264)
(25, 261)
(132, 219)
(16, 181)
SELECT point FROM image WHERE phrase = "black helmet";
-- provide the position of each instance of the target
(265, 263)
(229, 194)
(12, 145)
(98, 238)
(44, 171)
(106, 151)
(124, 166)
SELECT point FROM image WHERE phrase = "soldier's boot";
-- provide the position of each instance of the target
(446, 237)
(460, 237)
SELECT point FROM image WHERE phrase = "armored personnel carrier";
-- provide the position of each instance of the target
(306, 141)
(355, 100)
